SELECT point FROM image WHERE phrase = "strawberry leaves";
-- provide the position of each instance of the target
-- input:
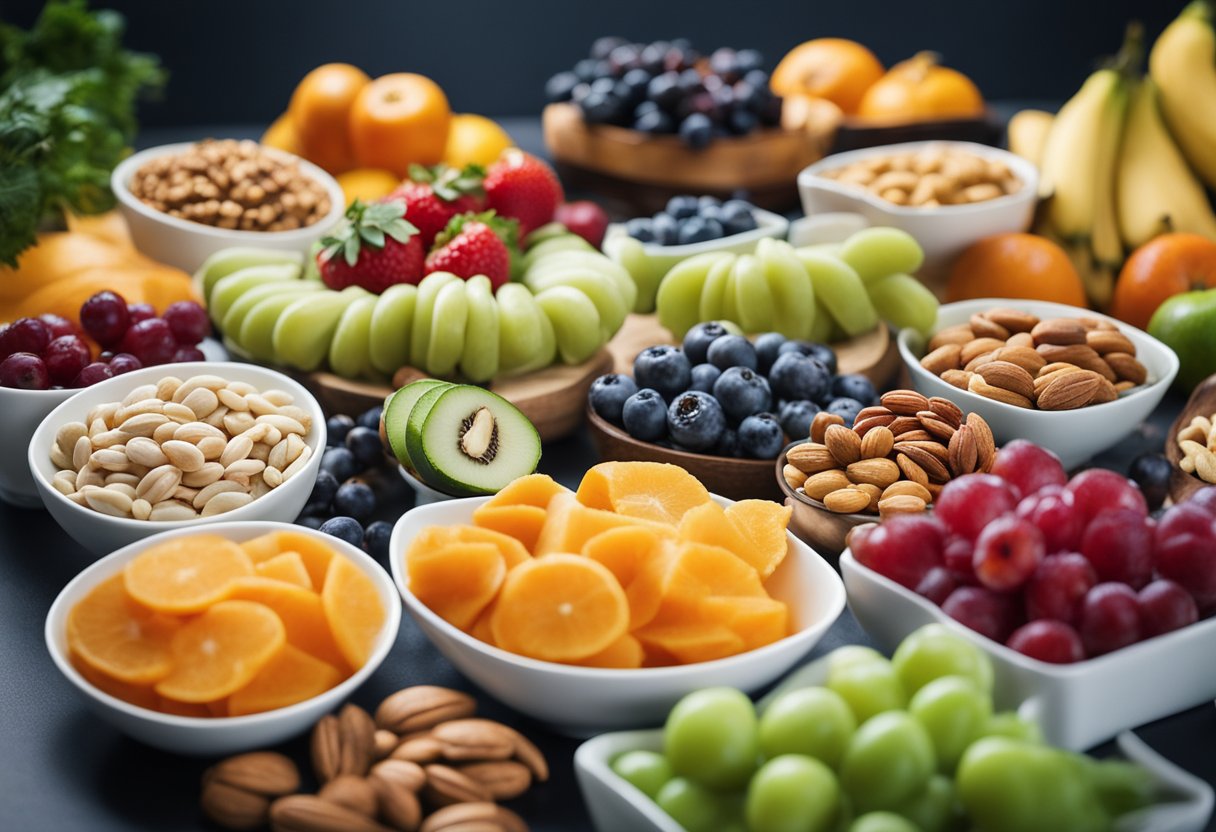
(449, 183)
(368, 224)
(505, 228)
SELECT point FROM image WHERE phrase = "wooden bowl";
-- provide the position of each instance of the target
(738, 479)
(1201, 403)
(855, 133)
(824, 531)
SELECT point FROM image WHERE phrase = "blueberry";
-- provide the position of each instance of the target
(800, 347)
(846, 409)
(355, 499)
(606, 86)
(666, 229)
(767, 346)
(699, 230)
(376, 537)
(742, 392)
(663, 368)
(732, 351)
(645, 415)
(634, 83)
(690, 82)
(698, 339)
(796, 418)
(742, 122)
(708, 202)
(646, 107)
(656, 121)
(825, 354)
(796, 376)
(310, 521)
(696, 131)
(695, 420)
(602, 47)
(344, 528)
(323, 490)
(560, 87)
(340, 462)
(854, 386)
(370, 418)
(760, 436)
(682, 207)
(664, 90)
(365, 444)
(728, 444)
(336, 428)
(703, 377)
(1152, 473)
(748, 60)
(739, 214)
(608, 394)
(640, 228)
(587, 69)
(601, 107)
(758, 78)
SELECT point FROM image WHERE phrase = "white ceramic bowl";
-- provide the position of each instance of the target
(187, 244)
(100, 533)
(1074, 435)
(1077, 705)
(581, 701)
(226, 735)
(23, 411)
(943, 232)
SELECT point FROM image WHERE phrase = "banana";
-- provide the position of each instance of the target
(1155, 191)
(1028, 131)
(1183, 65)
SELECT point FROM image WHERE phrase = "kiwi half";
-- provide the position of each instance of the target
(397, 413)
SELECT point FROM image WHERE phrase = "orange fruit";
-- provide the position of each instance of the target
(56, 256)
(314, 552)
(1161, 268)
(636, 557)
(758, 621)
(367, 184)
(919, 89)
(474, 140)
(763, 523)
(281, 135)
(687, 643)
(116, 636)
(648, 490)
(436, 537)
(707, 523)
(1015, 265)
(287, 567)
(399, 120)
(320, 111)
(519, 521)
(290, 677)
(221, 650)
(625, 652)
(837, 69)
(187, 574)
(481, 629)
(197, 710)
(109, 227)
(354, 610)
(569, 525)
(456, 581)
(699, 570)
(301, 612)
(532, 490)
(141, 694)
(559, 608)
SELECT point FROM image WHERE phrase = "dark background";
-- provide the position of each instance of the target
(236, 61)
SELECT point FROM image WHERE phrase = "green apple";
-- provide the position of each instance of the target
(1187, 324)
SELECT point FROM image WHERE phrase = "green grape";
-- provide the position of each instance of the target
(851, 654)
(691, 805)
(228, 261)
(711, 737)
(590, 263)
(753, 300)
(1009, 724)
(479, 359)
(935, 808)
(546, 353)
(598, 289)
(731, 327)
(823, 326)
(576, 322)
(730, 300)
(303, 332)
(449, 320)
(955, 713)
(883, 822)
(888, 761)
(934, 651)
(646, 272)
(1121, 786)
(877, 252)
(794, 306)
(228, 290)
(392, 320)
(793, 793)
(816, 722)
(543, 249)
(679, 295)
(869, 688)
(424, 308)
(348, 352)
(839, 289)
(257, 329)
(519, 334)
(648, 771)
(710, 305)
(243, 305)
(905, 302)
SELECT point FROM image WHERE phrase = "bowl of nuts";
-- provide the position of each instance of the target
(166, 447)
(945, 194)
(186, 201)
(1071, 380)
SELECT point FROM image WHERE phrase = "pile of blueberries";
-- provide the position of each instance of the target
(344, 497)
(724, 395)
(669, 87)
(690, 219)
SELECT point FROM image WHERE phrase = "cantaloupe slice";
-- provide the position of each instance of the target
(354, 609)
(287, 567)
(569, 525)
(521, 522)
(533, 490)
(457, 580)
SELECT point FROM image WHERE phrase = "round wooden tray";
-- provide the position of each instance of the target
(1201, 403)
(811, 522)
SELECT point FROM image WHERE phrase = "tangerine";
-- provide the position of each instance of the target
(399, 120)
(1016, 265)
(186, 574)
(219, 651)
(837, 69)
(320, 111)
(1165, 266)
(475, 140)
(120, 638)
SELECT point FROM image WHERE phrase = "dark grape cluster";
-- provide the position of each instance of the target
(690, 219)
(668, 87)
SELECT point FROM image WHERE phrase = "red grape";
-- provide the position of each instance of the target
(903, 548)
(1053, 511)
(58, 325)
(1165, 606)
(151, 341)
(1119, 544)
(24, 335)
(183, 354)
(1098, 490)
(1204, 498)
(1190, 559)
(124, 362)
(989, 613)
(970, 502)
(937, 585)
(1057, 586)
(91, 374)
(105, 318)
(65, 357)
(188, 322)
(1028, 467)
(25, 371)
(959, 557)
(140, 312)
(1048, 641)
(1110, 618)
(1185, 518)
(1007, 552)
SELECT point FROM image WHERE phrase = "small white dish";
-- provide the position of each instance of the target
(220, 735)
(23, 411)
(424, 495)
(186, 244)
(581, 701)
(1076, 705)
(100, 533)
(1074, 435)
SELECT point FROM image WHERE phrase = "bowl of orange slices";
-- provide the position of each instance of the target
(599, 608)
(223, 639)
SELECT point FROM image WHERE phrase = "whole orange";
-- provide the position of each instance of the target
(319, 111)
(1015, 266)
(837, 69)
(399, 120)
(1161, 268)
(281, 134)
(920, 89)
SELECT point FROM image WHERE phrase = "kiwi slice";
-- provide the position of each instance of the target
(397, 413)
(466, 440)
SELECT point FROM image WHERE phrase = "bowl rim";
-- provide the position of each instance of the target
(855, 517)
(1138, 336)
(826, 617)
(768, 224)
(19, 392)
(44, 437)
(109, 565)
(601, 424)
(120, 180)
(1027, 173)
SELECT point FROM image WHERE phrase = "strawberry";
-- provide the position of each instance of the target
(523, 187)
(474, 244)
(434, 195)
(374, 248)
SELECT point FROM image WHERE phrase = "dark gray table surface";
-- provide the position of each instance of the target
(66, 770)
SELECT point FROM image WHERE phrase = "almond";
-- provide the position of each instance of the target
(474, 739)
(877, 443)
(912, 470)
(879, 472)
(958, 334)
(979, 360)
(1014, 320)
(1096, 323)
(872, 411)
(1104, 340)
(904, 402)
(309, 813)
(812, 457)
(446, 785)
(900, 504)
(863, 426)
(355, 793)
(980, 387)
(985, 327)
(906, 488)
(846, 501)
(793, 477)
(945, 357)
(1106, 392)
(503, 779)
(870, 490)
(904, 424)
(932, 446)
(818, 486)
(1020, 339)
(957, 378)
(985, 443)
(932, 467)
(396, 784)
(1008, 376)
(843, 444)
(1124, 386)
(946, 410)
(918, 435)
(237, 791)
(466, 817)
(1078, 354)
(963, 452)
(1069, 391)
(418, 749)
(1124, 365)
(820, 424)
(1024, 357)
(1060, 331)
(422, 706)
(978, 347)
(935, 426)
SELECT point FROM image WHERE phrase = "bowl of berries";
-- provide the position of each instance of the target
(1082, 601)
(46, 360)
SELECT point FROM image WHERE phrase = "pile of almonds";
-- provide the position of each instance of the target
(1197, 441)
(1014, 357)
(933, 176)
(423, 764)
(894, 460)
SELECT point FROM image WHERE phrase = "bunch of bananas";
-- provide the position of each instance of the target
(1126, 158)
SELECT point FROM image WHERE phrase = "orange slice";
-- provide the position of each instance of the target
(533, 490)
(118, 637)
(758, 621)
(355, 611)
(569, 525)
(763, 523)
(141, 695)
(314, 552)
(625, 652)
(221, 650)
(187, 574)
(291, 676)
(457, 581)
(520, 522)
(649, 490)
(635, 555)
(300, 610)
(287, 567)
(436, 537)
(687, 643)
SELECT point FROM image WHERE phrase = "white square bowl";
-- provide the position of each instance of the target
(581, 701)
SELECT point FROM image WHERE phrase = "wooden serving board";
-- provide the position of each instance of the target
(1201, 403)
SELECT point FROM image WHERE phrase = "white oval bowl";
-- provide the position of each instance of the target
(1073, 435)
(100, 533)
(580, 701)
(220, 735)
(186, 244)
(23, 411)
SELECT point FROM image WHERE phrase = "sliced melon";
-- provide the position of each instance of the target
(397, 413)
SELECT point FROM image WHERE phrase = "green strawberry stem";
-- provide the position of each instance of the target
(506, 228)
(368, 224)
